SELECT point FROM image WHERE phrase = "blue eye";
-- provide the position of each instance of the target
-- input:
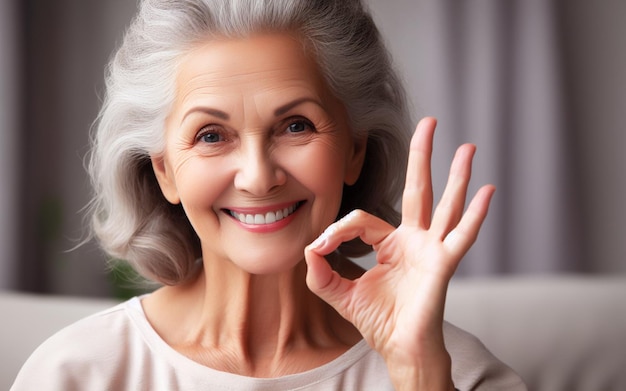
(211, 137)
(299, 126)
(211, 134)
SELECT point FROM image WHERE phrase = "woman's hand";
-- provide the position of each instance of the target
(398, 305)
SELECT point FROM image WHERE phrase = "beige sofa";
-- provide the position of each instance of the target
(558, 333)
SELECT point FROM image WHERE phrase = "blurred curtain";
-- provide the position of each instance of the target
(490, 70)
(9, 122)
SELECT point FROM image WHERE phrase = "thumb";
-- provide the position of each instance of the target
(325, 282)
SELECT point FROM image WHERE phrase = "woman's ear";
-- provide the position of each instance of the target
(165, 179)
(355, 162)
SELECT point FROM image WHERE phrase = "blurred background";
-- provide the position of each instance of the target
(538, 85)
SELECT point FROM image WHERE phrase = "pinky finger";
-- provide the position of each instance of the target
(461, 238)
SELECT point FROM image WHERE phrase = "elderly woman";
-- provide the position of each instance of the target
(244, 151)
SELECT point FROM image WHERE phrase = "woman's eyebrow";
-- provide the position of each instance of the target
(286, 107)
(207, 110)
(224, 116)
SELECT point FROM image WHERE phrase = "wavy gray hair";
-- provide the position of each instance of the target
(130, 216)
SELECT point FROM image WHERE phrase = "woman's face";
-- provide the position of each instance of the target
(257, 150)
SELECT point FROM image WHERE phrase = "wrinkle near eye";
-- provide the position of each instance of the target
(182, 144)
(181, 162)
(331, 144)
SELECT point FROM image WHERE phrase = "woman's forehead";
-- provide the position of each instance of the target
(227, 60)
(264, 66)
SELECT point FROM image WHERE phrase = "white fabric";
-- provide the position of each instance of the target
(117, 349)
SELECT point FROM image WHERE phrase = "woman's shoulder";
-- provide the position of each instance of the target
(95, 344)
(93, 331)
(474, 367)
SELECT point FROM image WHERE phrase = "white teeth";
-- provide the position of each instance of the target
(268, 218)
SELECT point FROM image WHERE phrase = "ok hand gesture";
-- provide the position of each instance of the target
(398, 305)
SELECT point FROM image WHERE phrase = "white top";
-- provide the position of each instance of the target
(117, 349)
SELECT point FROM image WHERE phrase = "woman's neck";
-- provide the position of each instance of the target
(255, 325)
(264, 313)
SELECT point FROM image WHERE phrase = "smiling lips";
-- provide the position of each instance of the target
(265, 218)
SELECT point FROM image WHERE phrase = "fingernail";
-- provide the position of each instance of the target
(317, 243)
(323, 238)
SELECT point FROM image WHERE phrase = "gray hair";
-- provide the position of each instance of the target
(130, 216)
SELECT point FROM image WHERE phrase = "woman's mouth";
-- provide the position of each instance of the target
(264, 218)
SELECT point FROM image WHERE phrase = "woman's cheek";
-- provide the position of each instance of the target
(200, 181)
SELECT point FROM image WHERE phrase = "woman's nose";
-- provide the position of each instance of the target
(258, 173)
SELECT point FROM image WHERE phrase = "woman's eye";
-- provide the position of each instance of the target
(299, 126)
(210, 137)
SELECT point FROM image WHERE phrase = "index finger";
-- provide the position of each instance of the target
(417, 199)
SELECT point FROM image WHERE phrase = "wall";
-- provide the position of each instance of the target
(67, 43)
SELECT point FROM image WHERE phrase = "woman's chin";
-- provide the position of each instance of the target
(263, 265)
(267, 270)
